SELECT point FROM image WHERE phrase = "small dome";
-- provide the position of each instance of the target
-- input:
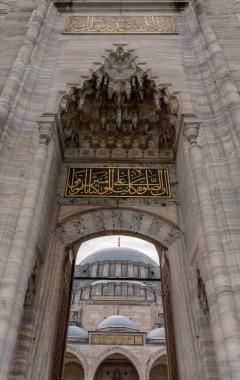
(120, 254)
(75, 332)
(117, 322)
(157, 334)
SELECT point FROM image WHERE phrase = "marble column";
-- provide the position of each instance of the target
(22, 61)
(19, 266)
(218, 271)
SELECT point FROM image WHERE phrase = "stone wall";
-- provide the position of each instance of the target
(208, 175)
(14, 23)
(223, 17)
(144, 315)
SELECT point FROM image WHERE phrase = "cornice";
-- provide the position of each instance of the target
(129, 5)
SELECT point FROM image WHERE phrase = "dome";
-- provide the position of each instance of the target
(118, 253)
(117, 322)
(75, 332)
(130, 282)
(157, 334)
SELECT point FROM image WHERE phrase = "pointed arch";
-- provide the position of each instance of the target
(109, 221)
(117, 350)
(160, 354)
(79, 356)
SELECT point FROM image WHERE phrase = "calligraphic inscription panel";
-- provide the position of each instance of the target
(118, 182)
(126, 340)
(120, 25)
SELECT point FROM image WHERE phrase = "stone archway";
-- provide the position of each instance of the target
(117, 350)
(73, 371)
(104, 221)
(82, 219)
(162, 355)
(104, 120)
(80, 357)
(93, 222)
(193, 66)
(159, 371)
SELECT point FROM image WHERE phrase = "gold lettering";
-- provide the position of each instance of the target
(117, 339)
(118, 182)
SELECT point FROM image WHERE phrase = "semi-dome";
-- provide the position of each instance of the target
(75, 332)
(118, 253)
(117, 322)
(157, 335)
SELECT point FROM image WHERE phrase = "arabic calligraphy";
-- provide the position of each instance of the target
(136, 340)
(118, 182)
(120, 25)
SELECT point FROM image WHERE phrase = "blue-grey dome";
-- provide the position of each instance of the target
(77, 333)
(118, 253)
(157, 334)
(117, 322)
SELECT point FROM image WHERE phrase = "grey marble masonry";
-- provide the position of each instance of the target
(38, 65)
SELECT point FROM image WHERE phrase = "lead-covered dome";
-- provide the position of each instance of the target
(77, 333)
(156, 335)
(118, 253)
(117, 322)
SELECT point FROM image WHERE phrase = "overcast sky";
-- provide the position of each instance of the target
(93, 245)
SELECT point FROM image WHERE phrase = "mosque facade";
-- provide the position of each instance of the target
(120, 117)
(116, 328)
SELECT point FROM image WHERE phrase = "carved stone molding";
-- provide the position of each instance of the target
(190, 131)
(46, 128)
(154, 228)
(119, 113)
(128, 6)
(98, 220)
(120, 25)
(80, 226)
(136, 221)
(173, 235)
(117, 219)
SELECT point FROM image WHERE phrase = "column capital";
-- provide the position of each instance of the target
(46, 129)
(190, 132)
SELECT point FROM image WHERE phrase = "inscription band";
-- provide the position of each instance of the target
(120, 25)
(118, 182)
(134, 340)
